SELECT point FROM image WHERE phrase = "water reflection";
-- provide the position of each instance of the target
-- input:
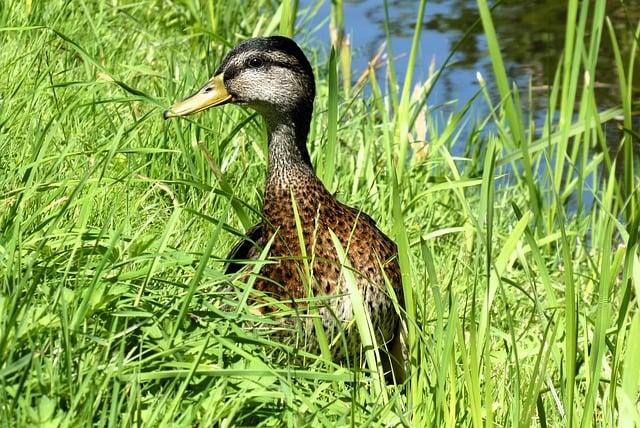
(531, 36)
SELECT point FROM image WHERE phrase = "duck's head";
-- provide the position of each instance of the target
(269, 74)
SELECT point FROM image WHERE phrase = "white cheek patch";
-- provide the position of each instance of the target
(284, 87)
(271, 86)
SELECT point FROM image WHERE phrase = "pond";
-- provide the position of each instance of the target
(531, 36)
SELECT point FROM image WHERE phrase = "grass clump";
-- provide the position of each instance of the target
(519, 257)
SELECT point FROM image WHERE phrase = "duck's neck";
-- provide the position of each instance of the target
(289, 162)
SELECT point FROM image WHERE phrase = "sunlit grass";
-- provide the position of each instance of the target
(521, 308)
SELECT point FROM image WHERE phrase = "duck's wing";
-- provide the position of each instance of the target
(245, 249)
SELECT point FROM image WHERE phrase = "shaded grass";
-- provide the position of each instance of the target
(115, 225)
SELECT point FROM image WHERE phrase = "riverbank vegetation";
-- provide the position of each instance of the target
(519, 251)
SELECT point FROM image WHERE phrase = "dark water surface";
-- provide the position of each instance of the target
(530, 33)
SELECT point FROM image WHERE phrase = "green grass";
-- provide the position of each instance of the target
(521, 307)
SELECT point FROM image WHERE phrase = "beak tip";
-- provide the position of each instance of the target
(166, 114)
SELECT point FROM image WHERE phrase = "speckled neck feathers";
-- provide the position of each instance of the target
(289, 160)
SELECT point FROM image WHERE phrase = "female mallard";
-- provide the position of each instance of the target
(273, 76)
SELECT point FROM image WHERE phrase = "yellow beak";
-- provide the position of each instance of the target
(212, 94)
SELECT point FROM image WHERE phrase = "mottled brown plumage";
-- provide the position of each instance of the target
(371, 254)
(272, 76)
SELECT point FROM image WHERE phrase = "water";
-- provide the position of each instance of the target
(531, 36)
(364, 25)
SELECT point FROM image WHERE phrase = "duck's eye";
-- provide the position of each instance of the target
(255, 62)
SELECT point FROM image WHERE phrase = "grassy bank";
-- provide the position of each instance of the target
(520, 258)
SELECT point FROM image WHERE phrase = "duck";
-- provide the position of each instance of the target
(272, 76)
